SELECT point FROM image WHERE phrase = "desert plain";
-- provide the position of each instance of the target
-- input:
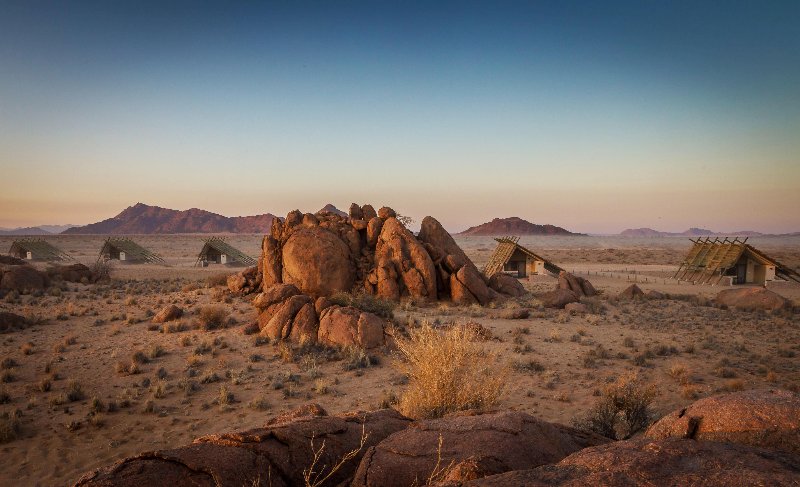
(95, 380)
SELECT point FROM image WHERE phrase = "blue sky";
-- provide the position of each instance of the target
(596, 116)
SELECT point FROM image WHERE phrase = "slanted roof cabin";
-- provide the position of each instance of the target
(731, 262)
(512, 258)
(126, 250)
(37, 249)
(216, 250)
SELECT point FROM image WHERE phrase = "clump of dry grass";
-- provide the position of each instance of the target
(622, 411)
(448, 371)
(212, 316)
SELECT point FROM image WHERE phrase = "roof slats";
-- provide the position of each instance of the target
(39, 249)
(220, 245)
(505, 249)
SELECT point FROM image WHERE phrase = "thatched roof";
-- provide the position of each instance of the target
(235, 256)
(506, 248)
(133, 251)
(708, 261)
(39, 249)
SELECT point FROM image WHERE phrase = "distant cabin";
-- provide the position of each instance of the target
(37, 249)
(512, 258)
(730, 262)
(126, 250)
(217, 251)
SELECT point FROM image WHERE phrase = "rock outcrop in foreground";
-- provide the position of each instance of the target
(745, 438)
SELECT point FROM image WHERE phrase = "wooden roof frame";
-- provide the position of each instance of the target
(220, 245)
(708, 260)
(506, 248)
(136, 252)
(40, 249)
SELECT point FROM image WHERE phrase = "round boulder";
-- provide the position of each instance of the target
(318, 262)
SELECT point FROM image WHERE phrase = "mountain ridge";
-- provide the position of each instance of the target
(145, 219)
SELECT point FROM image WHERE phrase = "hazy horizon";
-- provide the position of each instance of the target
(595, 117)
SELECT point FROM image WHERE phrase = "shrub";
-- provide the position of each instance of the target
(622, 410)
(9, 427)
(212, 316)
(217, 280)
(102, 270)
(365, 302)
(448, 371)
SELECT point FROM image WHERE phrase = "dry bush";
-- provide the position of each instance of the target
(448, 371)
(212, 316)
(217, 280)
(622, 411)
(102, 270)
(9, 427)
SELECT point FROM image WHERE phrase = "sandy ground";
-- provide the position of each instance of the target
(560, 361)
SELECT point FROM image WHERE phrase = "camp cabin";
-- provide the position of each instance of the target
(512, 258)
(126, 250)
(729, 262)
(217, 251)
(37, 249)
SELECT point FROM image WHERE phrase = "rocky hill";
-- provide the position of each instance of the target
(145, 219)
(515, 226)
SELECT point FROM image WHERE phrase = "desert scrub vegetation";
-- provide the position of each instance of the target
(365, 302)
(212, 316)
(448, 371)
(102, 270)
(622, 410)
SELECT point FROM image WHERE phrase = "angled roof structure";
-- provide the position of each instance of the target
(133, 251)
(709, 260)
(39, 249)
(505, 249)
(218, 244)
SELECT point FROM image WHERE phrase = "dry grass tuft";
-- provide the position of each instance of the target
(622, 411)
(448, 371)
(213, 316)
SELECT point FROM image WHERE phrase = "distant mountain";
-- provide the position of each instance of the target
(56, 228)
(143, 219)
(329, 208)
(692, 232)
(515, 226)
(33, 231)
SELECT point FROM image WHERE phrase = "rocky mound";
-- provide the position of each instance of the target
(21, 277)
(371, 252)
(275, 455)
(752, 298)
(308, 257)
(646, 462)
(472, 447)
(72, 273)
(763, 418)
(569, 289)
(514, 226)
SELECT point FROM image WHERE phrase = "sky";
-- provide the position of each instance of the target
(594, 116)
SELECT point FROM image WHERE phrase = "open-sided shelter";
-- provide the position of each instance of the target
(126, 250)
(216, 250)
(37, 249)
(731, 262)
(512, 258)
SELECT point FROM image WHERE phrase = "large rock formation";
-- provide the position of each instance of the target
(275, 455)
(458, 278)
(371, 252)
(646, 462)
(576, 284)
(763, 418)
(474, 446)
(72, 273)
